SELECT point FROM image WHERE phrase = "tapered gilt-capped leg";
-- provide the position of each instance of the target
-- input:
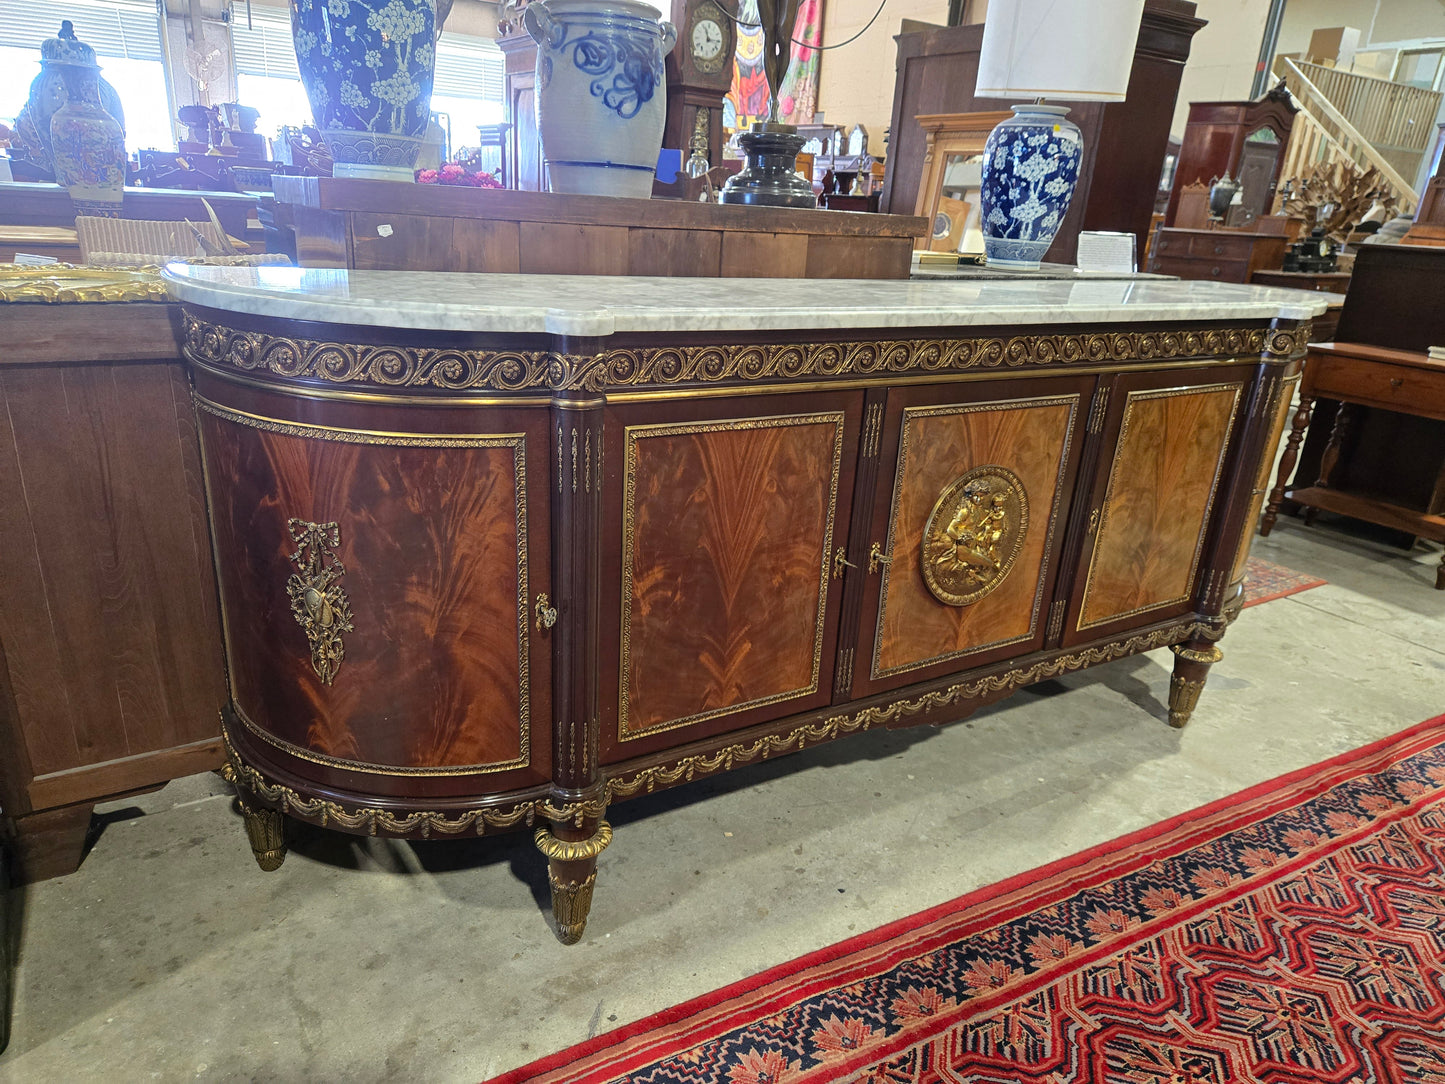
(266, 829)
(1287, 462)
(1192, 661)
(572, 871)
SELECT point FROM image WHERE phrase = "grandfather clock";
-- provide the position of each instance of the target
(699, 73)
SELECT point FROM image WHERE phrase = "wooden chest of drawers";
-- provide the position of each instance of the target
(1220, 255)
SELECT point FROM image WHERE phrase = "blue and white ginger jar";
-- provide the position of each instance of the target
(601, 93)
(367, 66)
(1031, 165)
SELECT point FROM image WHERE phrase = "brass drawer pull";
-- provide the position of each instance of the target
(840, 561)
(1396, 382)
(877, 558)
(546, 613)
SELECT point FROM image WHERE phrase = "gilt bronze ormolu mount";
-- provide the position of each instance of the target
(769, 179)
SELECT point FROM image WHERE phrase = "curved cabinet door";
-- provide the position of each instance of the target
(378, 571)
(968, 522)
(721, 519)
(1167, 442)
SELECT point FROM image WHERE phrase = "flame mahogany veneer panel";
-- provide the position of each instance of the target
(1162, 486)
(435, 671)
(725, 566)
(1032, 440)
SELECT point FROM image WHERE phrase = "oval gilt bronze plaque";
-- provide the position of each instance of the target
(974, 534)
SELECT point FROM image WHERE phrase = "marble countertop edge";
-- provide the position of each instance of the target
(519, 304)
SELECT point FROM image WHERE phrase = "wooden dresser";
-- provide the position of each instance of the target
(499, 551)
(1215, 255)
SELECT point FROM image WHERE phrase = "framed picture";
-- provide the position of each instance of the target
(948, 192)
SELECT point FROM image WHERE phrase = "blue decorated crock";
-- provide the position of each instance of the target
(367, 66)
(1031, 165)
(601, 94)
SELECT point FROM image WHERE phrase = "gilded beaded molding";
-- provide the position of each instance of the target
(450, 369)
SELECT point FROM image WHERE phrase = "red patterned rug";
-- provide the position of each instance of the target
(1294, 932)
(1265, 581)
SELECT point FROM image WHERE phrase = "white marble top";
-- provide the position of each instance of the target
(604, 305)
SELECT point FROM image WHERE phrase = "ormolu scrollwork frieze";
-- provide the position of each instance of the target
(712, 364)
(1288, 343)
(455, 369)
(445, 369)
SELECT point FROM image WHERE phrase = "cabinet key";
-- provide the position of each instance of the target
(877, 558)
(546, 613)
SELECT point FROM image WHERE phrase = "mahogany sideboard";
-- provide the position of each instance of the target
(498, 551)
(111, 678)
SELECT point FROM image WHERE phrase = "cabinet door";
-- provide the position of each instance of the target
(423, 671)
(968, 519)
(720, 522)
(1167, 442)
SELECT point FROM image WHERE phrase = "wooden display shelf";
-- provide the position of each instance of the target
(384, 226)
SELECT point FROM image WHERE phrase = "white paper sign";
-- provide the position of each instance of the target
(1100, 250)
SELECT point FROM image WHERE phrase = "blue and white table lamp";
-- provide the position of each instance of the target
(1063, 50)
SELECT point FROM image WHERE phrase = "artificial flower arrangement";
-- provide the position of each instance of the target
(455, 174)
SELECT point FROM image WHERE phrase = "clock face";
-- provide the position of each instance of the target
(707, 44)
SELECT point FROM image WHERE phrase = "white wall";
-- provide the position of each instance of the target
(1222, 56)
(855, 83)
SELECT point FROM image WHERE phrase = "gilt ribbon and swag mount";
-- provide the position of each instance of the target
(974, 534)
(452, 369)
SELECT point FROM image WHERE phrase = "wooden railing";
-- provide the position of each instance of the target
(1398, 120)
(1321, 133)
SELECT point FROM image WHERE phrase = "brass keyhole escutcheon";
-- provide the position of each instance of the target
(974, 534)
(546, 612)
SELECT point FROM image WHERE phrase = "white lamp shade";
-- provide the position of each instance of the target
(1070, 50)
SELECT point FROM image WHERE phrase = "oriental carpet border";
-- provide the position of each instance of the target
(1265, 581)
(1293, 931)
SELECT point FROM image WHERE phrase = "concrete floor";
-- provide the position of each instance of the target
(170, 956)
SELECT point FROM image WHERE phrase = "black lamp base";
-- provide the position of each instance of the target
(770, 178)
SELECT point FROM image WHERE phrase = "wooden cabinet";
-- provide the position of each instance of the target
(1019, 442)
(1244, 139)
(392, 559)
(111, 677)
(1214, 255)
(720, 594)
(737, 543)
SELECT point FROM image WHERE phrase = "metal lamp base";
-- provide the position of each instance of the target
(770, 178)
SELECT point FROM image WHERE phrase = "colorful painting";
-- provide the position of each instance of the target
(747, 101)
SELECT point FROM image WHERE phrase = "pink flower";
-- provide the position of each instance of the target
(451, 169)
(427, 176)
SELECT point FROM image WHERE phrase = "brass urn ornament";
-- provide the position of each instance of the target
(770, 177)
(974, 534)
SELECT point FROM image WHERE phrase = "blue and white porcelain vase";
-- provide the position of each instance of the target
(367, 66)
(601, 93)
(1030, 167)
